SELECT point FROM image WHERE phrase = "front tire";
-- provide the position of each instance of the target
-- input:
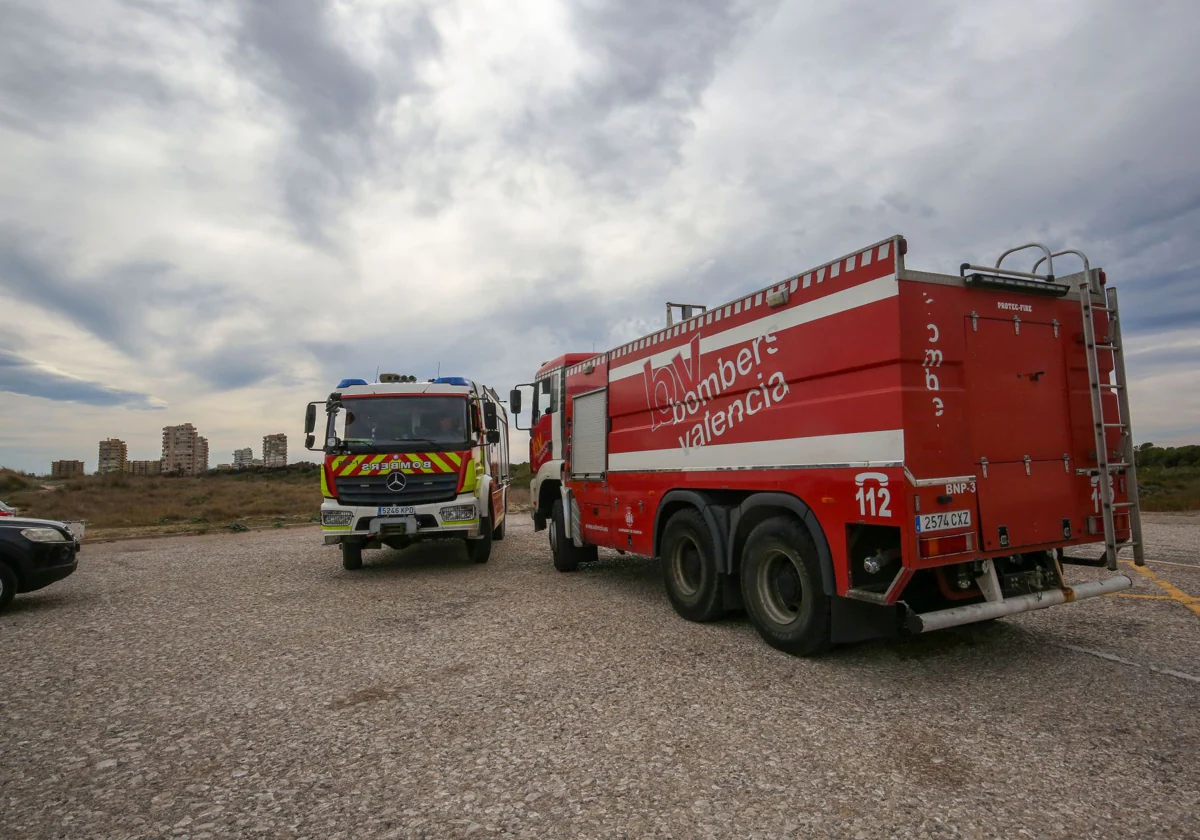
(783, 589)
(567, 555)
(352, 556)
(8, 585)
(689, 567)
(481, 549)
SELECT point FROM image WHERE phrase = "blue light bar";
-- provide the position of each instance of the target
(451, 380)
(346, 383)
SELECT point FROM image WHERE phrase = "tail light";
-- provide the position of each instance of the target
(944, 546)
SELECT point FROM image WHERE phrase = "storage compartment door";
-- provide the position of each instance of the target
(589, 434)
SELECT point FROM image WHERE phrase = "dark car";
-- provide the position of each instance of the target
(33, 553)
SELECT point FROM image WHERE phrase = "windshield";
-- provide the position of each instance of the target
(382, 424)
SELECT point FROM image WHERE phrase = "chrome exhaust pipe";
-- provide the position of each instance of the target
(953, 617)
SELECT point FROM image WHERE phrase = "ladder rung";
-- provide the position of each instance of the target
(1122, 504)
(1108, 385)
(1115, 425)
(1114, 347)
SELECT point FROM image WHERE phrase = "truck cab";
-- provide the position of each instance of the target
(548, 433)
(409, 461)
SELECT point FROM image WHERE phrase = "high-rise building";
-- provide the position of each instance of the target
(66, 469)
(275, 450)
(145, 467)
(114, 456)
(183, 451)
(242, 458)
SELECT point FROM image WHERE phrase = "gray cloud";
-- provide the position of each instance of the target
(333, 104)
(20, 375)
(686, 151)
(54, 73)
(622, 127)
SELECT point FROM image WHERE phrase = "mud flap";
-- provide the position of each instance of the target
(856, 621)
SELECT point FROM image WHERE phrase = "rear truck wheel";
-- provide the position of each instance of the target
(689, 566)
(481, 549)
(8, 585)
(782, 588)
(352, 556)
(567, 555)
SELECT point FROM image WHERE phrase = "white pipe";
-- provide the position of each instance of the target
(953, 617)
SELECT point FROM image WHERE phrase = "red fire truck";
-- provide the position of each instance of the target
(859, 451)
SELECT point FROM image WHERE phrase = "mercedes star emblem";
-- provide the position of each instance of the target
(396, 482)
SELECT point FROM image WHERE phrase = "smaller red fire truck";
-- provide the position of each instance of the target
(409, 461)
(860, 450)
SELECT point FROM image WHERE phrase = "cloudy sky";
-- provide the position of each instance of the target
(212, 211)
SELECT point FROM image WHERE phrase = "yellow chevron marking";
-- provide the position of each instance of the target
(358, 459)
(441, 465)
(454, 458)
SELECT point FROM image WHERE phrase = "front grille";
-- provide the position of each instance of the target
(370, 490)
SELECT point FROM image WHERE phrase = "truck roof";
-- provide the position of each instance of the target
(565, 359)
(392, 389)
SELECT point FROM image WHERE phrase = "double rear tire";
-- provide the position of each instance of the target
(783, 587)
(690, 567)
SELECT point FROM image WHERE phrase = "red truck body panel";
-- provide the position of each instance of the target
(870, 393)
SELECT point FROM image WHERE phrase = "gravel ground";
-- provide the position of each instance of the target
(245, 686)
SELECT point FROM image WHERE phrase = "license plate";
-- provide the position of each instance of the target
(397, 510)
(948, 520)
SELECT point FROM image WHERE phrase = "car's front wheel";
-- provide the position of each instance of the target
(8, 585)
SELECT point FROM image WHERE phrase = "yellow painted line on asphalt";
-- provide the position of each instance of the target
(1174, 592)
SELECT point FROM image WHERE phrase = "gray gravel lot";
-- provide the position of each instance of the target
(244, 685)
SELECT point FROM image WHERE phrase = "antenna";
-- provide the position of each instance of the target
(439, 370)
(376, 373)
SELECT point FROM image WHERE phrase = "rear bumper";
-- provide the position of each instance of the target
(955, 616)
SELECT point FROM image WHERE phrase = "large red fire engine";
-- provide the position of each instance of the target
(860, 450)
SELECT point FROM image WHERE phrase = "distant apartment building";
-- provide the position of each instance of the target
(66, 469)
(184, 451)
(275, 451)
(114, 456)
(242, 458)
(145, 467)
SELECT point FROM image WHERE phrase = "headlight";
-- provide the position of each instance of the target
(458, 513)
(339, 518)
(43, 535)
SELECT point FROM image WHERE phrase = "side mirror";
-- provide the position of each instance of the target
(309, 440)
(489, 416)
(310, 418)
(514, 400)
(493, 436)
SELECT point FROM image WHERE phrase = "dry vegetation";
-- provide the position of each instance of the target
(170, 504)
(118, 505)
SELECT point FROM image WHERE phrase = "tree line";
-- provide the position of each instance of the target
(1149, 455)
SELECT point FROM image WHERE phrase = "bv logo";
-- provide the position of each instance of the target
(669, 385)
(629, 517)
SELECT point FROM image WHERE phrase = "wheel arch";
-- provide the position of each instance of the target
(762, 506)
(715, 516)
